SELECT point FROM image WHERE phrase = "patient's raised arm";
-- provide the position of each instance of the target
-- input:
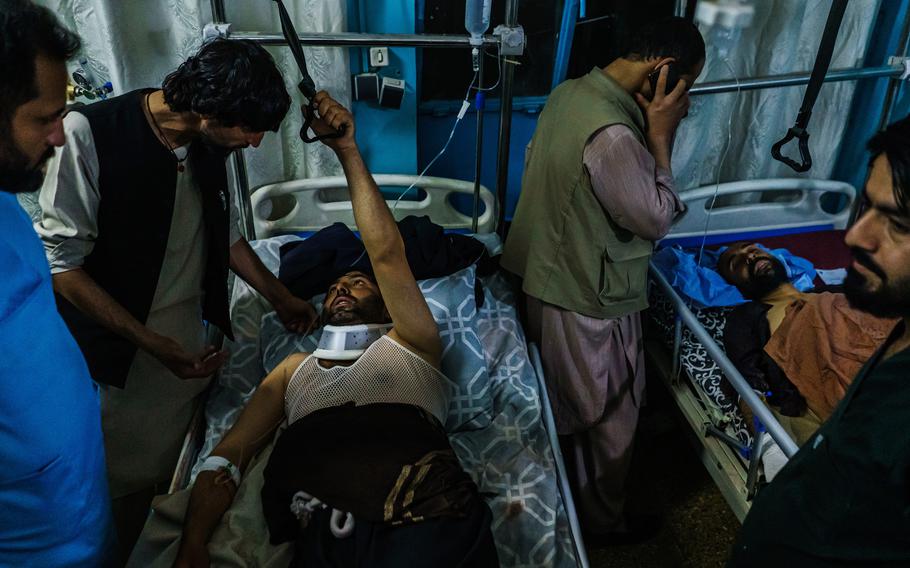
(414, 323)
(213, 492)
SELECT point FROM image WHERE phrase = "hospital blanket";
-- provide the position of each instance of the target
(501, 441)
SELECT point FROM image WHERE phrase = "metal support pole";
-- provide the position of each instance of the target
(505, 126)
(351, 39)
(677, 346)
(755, 459)
(242, 183)
(712, 430)
(680, 9)
(793, 79)
(733, 375)
(218, 14)
(478, 145)
(890, 97)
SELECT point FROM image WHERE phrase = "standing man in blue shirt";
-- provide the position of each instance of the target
(54, 504)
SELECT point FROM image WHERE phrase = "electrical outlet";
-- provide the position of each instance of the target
(379, 56)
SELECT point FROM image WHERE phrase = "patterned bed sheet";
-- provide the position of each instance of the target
(502, 444)
(699, 367)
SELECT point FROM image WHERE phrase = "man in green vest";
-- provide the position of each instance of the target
(597, 192)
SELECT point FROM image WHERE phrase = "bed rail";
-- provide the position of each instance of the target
(777, 432)
(319, 202)
(764, 206)
(562, 477)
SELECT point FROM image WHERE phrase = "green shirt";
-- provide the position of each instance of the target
(844, 498)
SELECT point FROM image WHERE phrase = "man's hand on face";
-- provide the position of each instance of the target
(664, 111)
(330, 117)
(297, 315)
(184, 364)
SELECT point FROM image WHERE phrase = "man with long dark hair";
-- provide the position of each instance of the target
(596, 193)
(54, 505)
(139, 229)
(844, 498)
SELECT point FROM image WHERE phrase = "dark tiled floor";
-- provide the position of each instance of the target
(669, 481)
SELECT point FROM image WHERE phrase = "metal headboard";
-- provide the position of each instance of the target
(319, 202)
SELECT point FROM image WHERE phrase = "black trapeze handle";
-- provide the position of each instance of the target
(816, 80)
(306, 85)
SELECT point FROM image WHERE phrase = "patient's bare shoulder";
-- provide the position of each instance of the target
(433, 359)
(281, 375)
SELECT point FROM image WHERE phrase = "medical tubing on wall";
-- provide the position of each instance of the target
(465, 105)
(720, 164)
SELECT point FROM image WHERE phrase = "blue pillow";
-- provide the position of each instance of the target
(452, 302)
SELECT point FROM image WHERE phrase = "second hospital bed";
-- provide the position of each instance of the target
(808, 217)
(500, 423)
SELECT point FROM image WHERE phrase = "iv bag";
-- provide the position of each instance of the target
(477, 19)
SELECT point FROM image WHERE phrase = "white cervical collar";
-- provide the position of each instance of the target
(347, 342)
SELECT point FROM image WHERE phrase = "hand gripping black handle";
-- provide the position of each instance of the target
(306, 85)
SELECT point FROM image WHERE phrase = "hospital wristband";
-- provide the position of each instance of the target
(218, 463)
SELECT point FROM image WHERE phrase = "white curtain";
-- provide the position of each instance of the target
(783, 38)
(135, 43)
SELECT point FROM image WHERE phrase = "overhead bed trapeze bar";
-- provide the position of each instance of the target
(352, 39)
(733, 375)
(793, 79)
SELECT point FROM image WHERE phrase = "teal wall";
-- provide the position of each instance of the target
(865, 111)
(387, 137)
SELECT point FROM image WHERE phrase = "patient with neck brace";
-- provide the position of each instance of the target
(363, 473)
(801, 350)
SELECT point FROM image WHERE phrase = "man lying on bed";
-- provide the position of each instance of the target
(364, 435)
(802, 348)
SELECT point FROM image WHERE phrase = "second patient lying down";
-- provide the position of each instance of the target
(801, 350)
(365, 434)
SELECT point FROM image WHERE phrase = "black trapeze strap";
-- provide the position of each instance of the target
(816, 80)
(306, 85)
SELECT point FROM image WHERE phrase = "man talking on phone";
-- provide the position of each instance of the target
(597, 192)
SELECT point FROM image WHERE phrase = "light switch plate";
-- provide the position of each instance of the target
(379, 56)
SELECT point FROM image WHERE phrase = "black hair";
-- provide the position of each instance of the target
(894, 143)
(26, 31)
(232, 81)
(671, 37)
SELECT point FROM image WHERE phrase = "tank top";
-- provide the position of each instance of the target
(387, 372)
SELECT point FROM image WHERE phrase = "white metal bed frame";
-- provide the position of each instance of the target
(319, 202)
(322, 204)
(803, 208)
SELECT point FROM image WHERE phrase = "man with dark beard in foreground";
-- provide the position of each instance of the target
(844, 498)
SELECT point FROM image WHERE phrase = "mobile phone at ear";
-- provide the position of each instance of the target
(672, 77)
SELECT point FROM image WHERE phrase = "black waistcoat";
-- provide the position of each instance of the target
(137, 183)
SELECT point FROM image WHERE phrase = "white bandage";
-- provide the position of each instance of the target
(218, 463)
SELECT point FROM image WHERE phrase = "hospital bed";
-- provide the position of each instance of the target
(684, 344)
(500, 421)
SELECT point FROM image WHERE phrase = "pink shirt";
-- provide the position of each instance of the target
(638, 196)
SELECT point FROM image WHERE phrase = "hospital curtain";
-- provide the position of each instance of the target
(135, 43)
(783, 38)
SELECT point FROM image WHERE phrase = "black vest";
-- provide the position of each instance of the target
(137, 181)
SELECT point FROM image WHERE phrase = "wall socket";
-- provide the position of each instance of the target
(379, 56)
